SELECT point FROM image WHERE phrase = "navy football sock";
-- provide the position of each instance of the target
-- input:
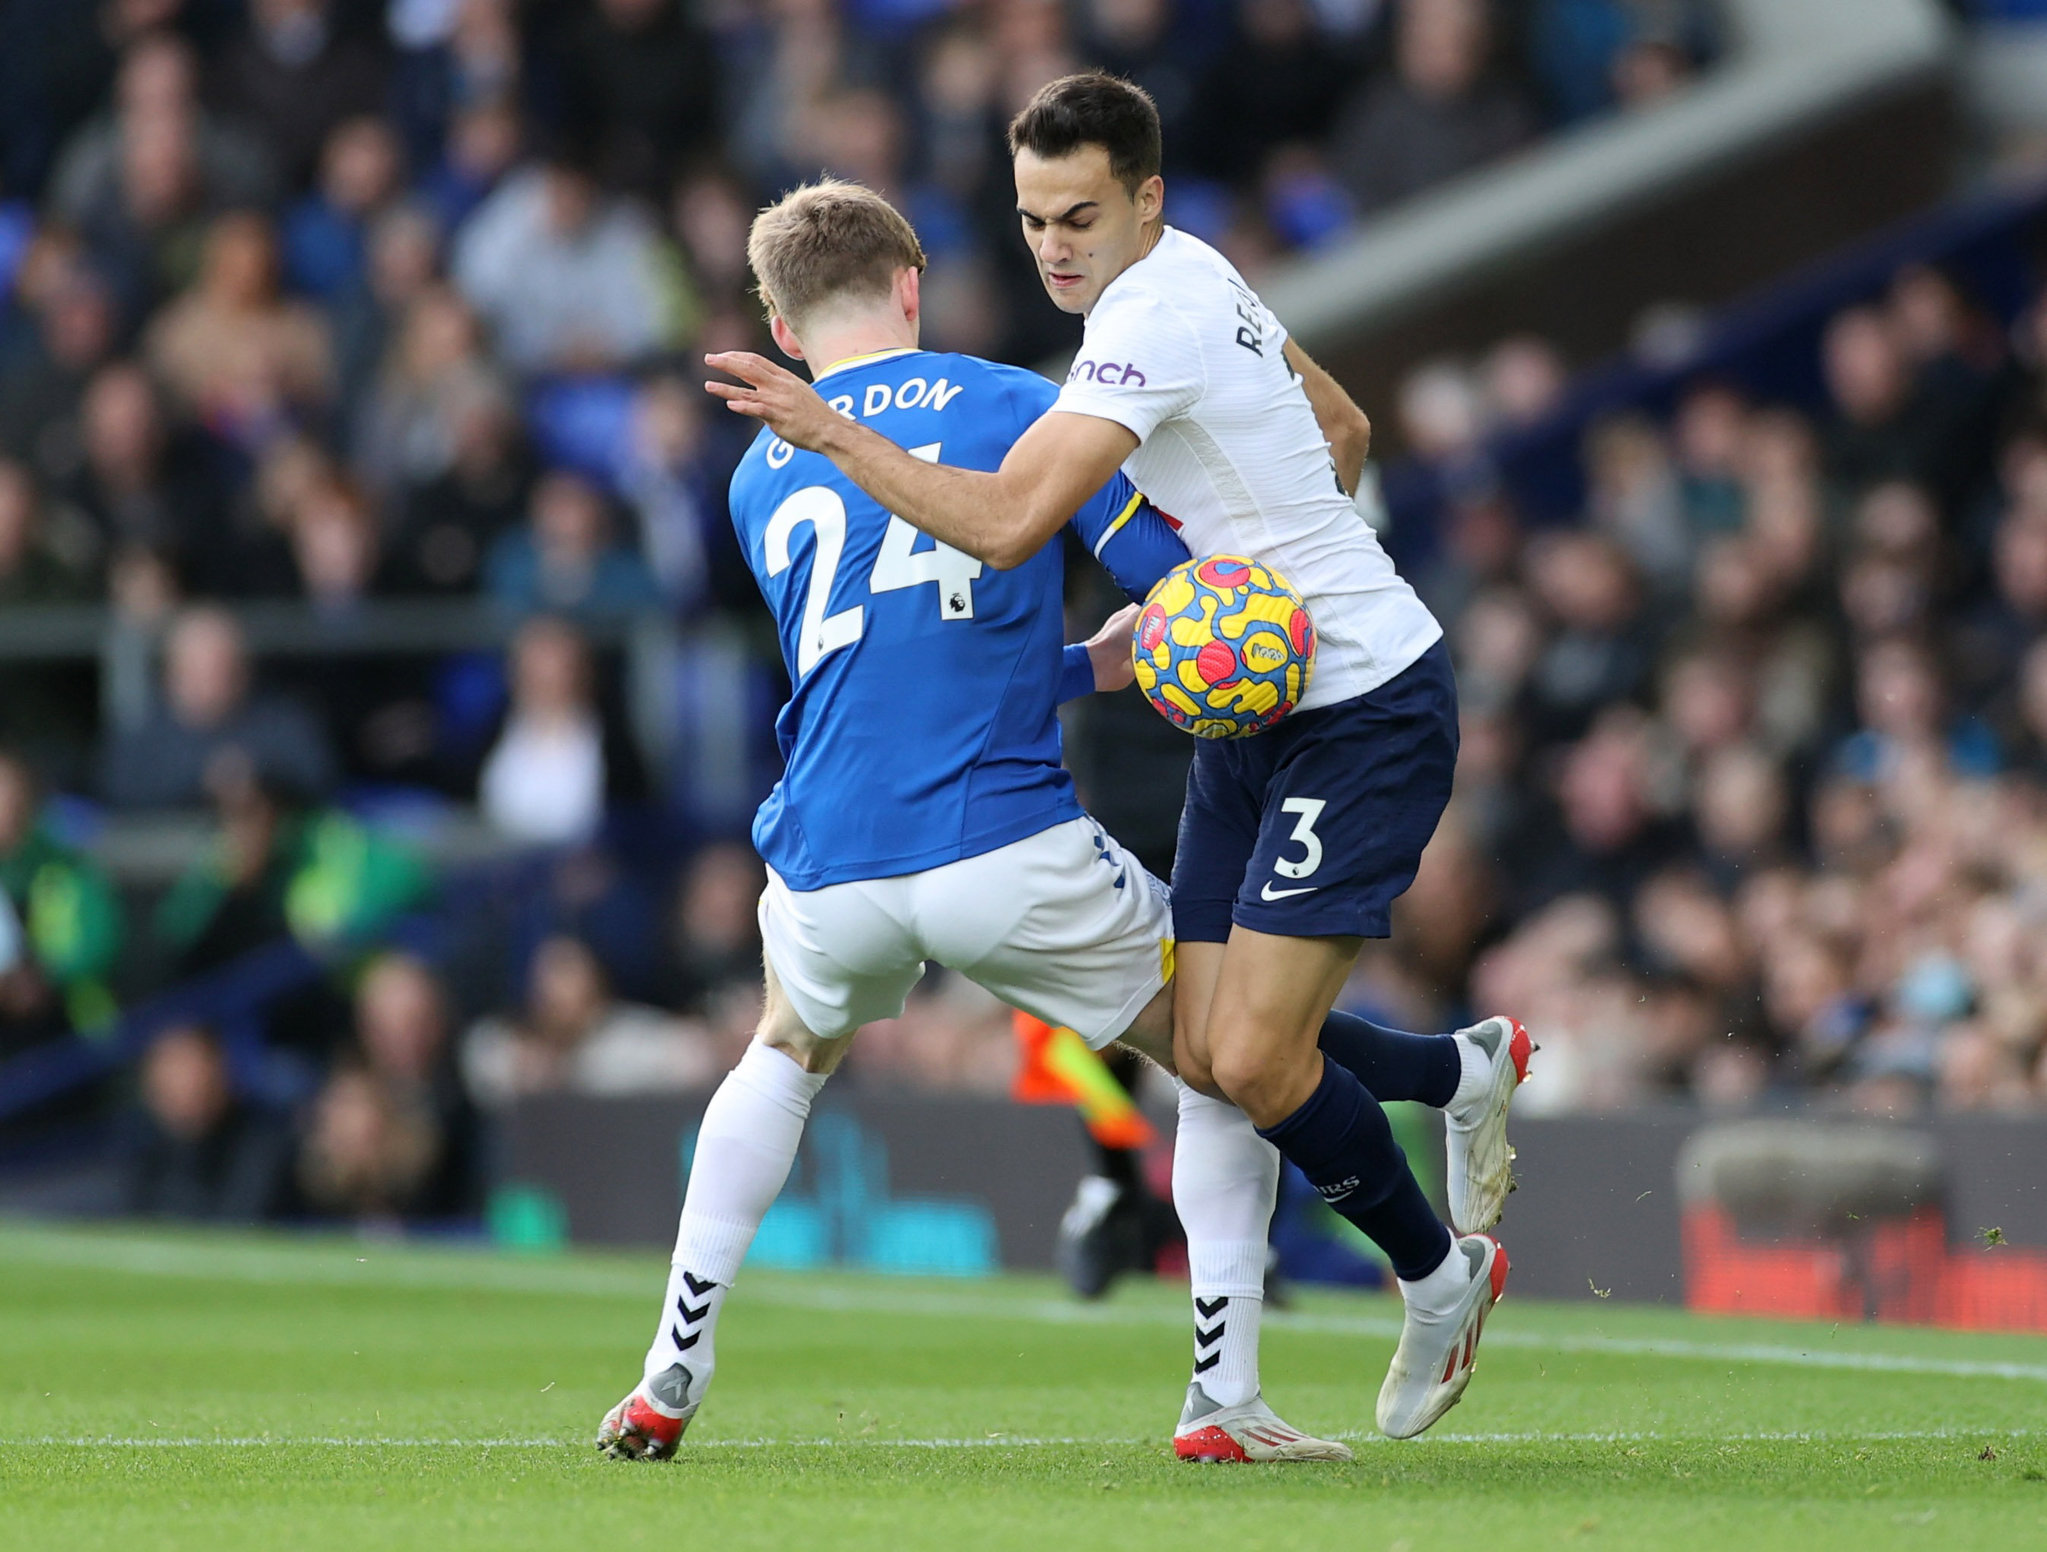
(1342, 1142)
(1391, 1063)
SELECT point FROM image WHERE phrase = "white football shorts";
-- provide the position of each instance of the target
(1064, 924)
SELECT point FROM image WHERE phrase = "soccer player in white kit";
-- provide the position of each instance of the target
(1294, 843)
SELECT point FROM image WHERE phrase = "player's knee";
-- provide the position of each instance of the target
(1263, 1082)
(807, 1050)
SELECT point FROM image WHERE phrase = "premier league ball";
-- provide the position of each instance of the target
(1224, 647)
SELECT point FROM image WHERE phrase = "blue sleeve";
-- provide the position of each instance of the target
(1076, 673)
(1129, 536)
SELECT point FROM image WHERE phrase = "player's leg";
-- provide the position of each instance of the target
(1349, 796)
(843, 962)
(1079, 934)
(1470, 1075)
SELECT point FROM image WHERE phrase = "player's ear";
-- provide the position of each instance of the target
(1151, 198)
(910, 294)
(785, 337)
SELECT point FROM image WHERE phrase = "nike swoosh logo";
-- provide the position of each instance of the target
(1269, 893)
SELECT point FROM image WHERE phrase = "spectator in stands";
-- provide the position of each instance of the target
(546, 779)
(65, 927)
(146, 487)
(33, 568)
(198, 1150)
(401, 260)
(639, 80)
(447, 524)
(369, 1153)
(282, 868)
(403, 1031)
(714, 935)
(1875, 436)
(1603, 645)
(43, 380)
(565, 557)
(236, 355)
(157, 139)
(455, 56)
(326, 233)
(574, 1037)
(1279, 82)
(210, 715)
(674, 482)
(404, 432)
(1437, 113)
(295, 73)
(568, 277)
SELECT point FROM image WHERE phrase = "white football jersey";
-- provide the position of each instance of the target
(1183, 353)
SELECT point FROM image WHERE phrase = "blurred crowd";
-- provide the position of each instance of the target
(348, 302)
(1752, 801)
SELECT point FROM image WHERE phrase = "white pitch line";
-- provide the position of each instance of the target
(1020, 1441)
(379, 1268)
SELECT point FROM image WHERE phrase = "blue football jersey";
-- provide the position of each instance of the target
(922, 726)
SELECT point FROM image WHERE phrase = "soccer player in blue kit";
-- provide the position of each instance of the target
(923, 814)
(1293, 843)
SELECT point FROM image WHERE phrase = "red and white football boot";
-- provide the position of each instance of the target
(1212, 1432)
(1439, 1347)
(1481, 1163)
(649, 1423)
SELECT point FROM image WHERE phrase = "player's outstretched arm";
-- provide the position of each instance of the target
(1344, 426)
(1003, 518)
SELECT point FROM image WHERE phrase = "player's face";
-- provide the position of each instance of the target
(1084, 228)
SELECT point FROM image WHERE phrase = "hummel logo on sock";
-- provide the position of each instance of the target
(1209, 1309)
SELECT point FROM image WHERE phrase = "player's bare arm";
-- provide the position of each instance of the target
(1344, 426)
(1002, 519)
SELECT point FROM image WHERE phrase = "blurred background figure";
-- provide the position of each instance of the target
(198, 1150)
(573, 1036)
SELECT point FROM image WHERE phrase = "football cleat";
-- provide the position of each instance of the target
(649, 1423)
(1438, 1349)
(1212, 1432)
(1481, 1164)
(1101, 1236)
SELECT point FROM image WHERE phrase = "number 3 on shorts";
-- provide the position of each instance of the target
(1309, 810)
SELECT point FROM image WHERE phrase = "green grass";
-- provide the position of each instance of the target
(215, 1393)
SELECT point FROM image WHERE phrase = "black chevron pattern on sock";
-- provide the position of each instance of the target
(1208, 1309)
(1209, 1338)
(1203, 1365)
(696, 1289)
(692, 1315)
(683, 1343)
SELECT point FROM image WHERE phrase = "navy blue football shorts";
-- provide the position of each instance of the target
(1315, 827)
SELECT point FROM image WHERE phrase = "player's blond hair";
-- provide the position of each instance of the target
(827, 241)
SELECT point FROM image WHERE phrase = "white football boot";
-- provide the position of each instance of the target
(1481, 1163)
(1438, 1347)
(1212, 1432)
(649, 1423)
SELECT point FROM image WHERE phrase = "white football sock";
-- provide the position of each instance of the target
(1441, 1289)
(745, 1147)
(1225, 1182)
(1474, 1079)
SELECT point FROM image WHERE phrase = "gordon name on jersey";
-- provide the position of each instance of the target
(1181, 352)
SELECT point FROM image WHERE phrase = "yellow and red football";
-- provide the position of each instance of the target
(1224, 647)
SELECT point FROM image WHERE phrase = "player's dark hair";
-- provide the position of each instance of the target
(1093, 108)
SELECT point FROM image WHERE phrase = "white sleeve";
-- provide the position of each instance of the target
(1139, 365)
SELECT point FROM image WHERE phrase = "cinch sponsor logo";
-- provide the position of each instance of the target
(1111, 374)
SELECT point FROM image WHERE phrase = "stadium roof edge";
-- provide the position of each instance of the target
(1798, 63)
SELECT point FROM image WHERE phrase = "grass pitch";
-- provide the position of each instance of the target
(167, 1391)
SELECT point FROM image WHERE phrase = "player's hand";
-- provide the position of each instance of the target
(766, 392)
(1108, 649)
